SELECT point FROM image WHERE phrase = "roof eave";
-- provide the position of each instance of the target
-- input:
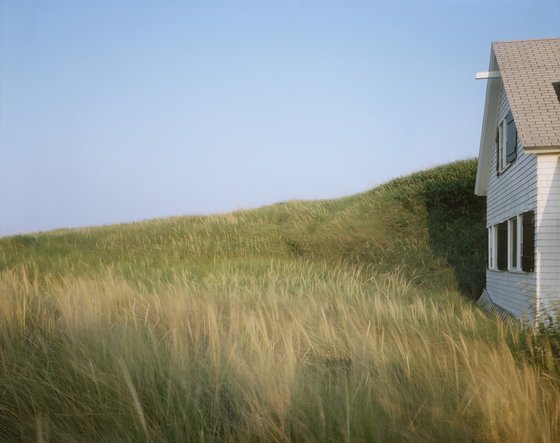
(552, 149)
(488, 129)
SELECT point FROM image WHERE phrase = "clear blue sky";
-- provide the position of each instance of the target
(122, 110)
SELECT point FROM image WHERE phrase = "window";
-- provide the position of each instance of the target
(556, 86)
(514, 256)
(511, 244)
(492, 247)
(528, 242)
(506, 143)
(502, 246)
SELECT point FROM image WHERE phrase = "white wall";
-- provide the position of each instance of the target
(509, 194)
(547, 237)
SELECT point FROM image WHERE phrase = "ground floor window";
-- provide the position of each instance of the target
(491, 247)
(502, 246)
(528, 242)
(511, 244)
(514, 243)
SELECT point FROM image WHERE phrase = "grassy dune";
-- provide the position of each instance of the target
(333, 320)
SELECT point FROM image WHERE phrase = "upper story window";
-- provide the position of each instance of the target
(506, 143)
(556, 86)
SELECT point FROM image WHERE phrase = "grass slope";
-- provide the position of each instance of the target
(429, 225)
(308, 321)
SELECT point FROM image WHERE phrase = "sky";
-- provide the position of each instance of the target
(125, 110)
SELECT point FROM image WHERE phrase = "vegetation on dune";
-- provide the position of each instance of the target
(429, 225)
(308, 321)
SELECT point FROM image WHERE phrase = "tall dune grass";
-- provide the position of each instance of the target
(298, 351)
(304, 321)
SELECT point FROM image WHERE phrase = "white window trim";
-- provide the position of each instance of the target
(492, 253)
(519, 220)
(502, 140)
(493, 246)
(501, 147)
(509, 244)
(519, 242)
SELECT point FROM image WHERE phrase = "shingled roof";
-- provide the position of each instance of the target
(530, 71)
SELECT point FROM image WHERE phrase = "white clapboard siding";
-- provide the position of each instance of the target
(511, 193)
(513, 291)
(547, 232)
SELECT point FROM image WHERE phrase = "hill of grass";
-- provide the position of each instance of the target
(428, 225)
(336, 320)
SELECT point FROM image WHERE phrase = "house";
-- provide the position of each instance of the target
(519, 173)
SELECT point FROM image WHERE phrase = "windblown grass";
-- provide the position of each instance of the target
(302, 352)
(320, 321)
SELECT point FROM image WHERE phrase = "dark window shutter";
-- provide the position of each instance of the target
(498, 150)
(502, 246)
(511, 141)
(489, 252)
(528, 251)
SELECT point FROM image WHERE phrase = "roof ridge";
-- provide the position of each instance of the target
(525, 40)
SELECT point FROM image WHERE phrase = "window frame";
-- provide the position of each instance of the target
(502, 163)
(518, 240)
(492, 243)
(516, 224)
(502, 159)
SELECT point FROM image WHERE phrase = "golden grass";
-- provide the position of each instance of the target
(299, 352)
(303, 321)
